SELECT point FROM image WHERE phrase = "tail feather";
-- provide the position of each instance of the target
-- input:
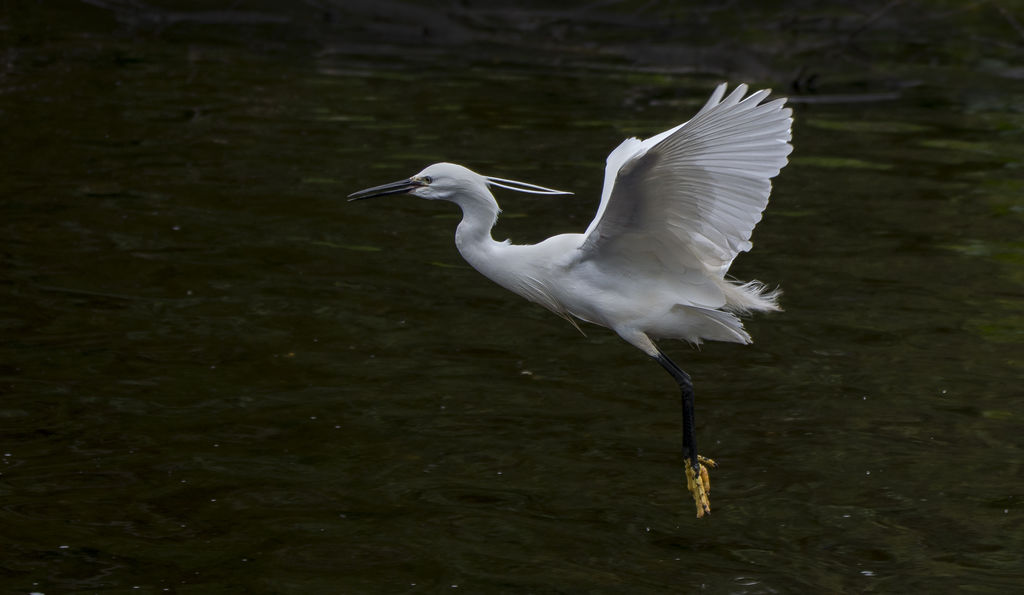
(752, 296)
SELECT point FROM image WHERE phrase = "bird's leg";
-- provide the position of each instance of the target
(697, 480)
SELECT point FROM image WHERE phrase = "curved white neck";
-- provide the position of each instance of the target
(473, 236)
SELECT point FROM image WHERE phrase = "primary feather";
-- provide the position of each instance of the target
(697, 190)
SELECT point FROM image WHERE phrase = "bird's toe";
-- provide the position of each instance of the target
(699, 484)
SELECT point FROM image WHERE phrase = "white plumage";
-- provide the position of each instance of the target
(675, 211)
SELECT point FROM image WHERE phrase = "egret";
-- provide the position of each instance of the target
(675, 211)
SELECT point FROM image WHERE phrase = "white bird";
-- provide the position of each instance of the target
(675, 211)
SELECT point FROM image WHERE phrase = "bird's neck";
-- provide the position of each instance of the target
(473, 236)
(512, 266)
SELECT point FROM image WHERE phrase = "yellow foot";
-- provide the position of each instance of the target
(700, 486)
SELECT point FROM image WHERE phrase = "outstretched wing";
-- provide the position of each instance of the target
(689, 198)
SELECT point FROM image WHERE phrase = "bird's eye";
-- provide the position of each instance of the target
(427, 180)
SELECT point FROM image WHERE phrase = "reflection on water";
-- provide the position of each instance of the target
(217, 375)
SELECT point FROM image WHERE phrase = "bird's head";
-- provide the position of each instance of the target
(448, 181)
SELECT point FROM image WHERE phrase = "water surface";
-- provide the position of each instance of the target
(218, 376)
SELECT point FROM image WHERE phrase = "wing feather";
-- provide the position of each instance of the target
(694, 193)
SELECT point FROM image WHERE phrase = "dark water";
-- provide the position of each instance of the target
(216, 376)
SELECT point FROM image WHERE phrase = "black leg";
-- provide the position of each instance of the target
(689, 424)
(697, 481)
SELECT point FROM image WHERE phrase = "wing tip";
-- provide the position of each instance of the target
(738, 96)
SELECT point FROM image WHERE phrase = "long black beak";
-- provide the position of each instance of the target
(384, 190)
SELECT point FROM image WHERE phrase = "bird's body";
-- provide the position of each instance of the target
(675, 211)
(558, 275)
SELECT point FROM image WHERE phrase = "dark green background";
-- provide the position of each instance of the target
(217, 376)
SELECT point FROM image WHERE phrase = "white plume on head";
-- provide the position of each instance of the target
(522, 186)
